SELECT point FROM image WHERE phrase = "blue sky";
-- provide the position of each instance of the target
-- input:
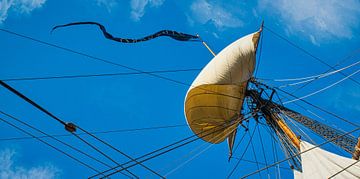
(327, 29)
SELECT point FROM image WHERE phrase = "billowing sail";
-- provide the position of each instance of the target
(319, 163)
(215, 98)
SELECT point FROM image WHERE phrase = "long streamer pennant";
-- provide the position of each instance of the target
(168, 33)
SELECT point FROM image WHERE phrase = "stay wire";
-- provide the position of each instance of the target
(110, 62)
(102, 153)
(344, 169)
(325, 88)
(199, 153)
(96, 132)
(50, 145)
(163, 148)
(317, 107)
(52, 137)
(340, 62)
(91, 57)
(97, 75)
(307, 52)
(238, 162)
(56, 118)
(241, 139)
(253, 150)
(262, 148)
(298, 154)
(261, 44)
(164, 152)
(31, 102)
(117, 150)
(260, 163)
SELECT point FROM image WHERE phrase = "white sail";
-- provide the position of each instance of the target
(216, 95)
(319, 164)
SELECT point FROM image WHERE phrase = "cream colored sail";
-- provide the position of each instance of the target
(216, 96)
(318, 164)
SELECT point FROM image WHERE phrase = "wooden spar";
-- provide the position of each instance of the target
(273, 118)
(356, 153)
(286, 129)
(212, 52)
(204, 43)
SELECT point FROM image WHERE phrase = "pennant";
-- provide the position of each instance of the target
(168, 33)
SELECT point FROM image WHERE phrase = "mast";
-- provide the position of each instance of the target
(274, 113)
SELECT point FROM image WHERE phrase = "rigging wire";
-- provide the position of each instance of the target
(97, 132)
(104, 154)
(352, 54)
(261, 44)
(253, 150)
(242, 155)
(108, 61)
(170, 145)
(315, 106)
(344, 169)
(98, 75)
(312, 77)
(305, 134)
(166, 151)
(122, 153)
(305, 81)
(199, 153)
(52, 137)
(298, 154)
(66, 125)
(307, 52)
(90, 57)
(263, 149)
(325, 88)
(241, 139)
(48, 144)
(260, 163)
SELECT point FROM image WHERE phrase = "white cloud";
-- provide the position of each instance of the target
(9, 171)
(138, 7)
(19, 6)
(108, 4)
(4, 8)
(317, 20)
(205, 12)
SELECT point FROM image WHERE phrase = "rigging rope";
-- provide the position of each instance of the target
(52, 137)
(199, 153)
(263, 149)
(318, 91)
(144, 160)
(98, 132)
(315, 106)
(298, 154)
(261, 44)
(104, 154)
(109, 62)
(306, 52)
(344, 169)
(98, 75)
(238, 162)
(167, 146)
(68, 126)
(122, 153)
(48, 144)
(253, 149)
(322, 75)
